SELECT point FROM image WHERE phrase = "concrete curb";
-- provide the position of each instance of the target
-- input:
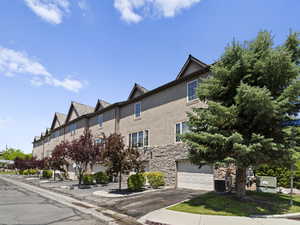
(289, 215)
(106, 216)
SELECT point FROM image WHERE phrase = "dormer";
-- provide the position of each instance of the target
(58, 120)
(101, 104)
(136, 91)
(77, 110)
(191, 66)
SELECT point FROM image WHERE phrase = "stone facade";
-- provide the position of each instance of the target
(164, 158)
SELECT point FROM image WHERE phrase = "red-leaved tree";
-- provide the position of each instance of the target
(84, 152)
(118, 158)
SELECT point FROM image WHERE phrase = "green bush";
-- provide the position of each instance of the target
(283, 175)
(26, 172)
(135, 182)
(88, 179)
(47, 174)
(32, 171)
(101, 178)
(155, 179)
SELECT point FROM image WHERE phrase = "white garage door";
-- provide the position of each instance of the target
(191, 177)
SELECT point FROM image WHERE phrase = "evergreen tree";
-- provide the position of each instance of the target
(252, 91)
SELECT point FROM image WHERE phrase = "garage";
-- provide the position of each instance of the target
(191, 177)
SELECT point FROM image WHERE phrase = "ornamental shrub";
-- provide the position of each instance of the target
(155, 179)
(25, 172)
(88, 179)
(47, 174)
(32, 171)
(136, 182)
(101, 178)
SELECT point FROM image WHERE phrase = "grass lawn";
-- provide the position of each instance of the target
(228, 205)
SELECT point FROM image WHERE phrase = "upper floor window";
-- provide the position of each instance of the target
(71, 128)
(180, 128)
(55, 134)
(137, 110)
(139, 139)
(192, 90)
(100, 120)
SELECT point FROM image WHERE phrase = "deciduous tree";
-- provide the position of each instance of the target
(83, 152)
(118, 158)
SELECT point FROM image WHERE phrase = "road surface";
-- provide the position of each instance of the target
(21, 207)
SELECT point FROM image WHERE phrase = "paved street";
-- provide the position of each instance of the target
(18, 206)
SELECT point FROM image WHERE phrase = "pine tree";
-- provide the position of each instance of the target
(253, 89)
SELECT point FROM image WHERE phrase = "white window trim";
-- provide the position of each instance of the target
(135, 117)
(137, 132)
(187, 90)
(180, 122)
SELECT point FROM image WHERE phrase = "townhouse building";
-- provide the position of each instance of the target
(150, 120)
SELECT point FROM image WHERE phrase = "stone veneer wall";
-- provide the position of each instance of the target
(163, 159)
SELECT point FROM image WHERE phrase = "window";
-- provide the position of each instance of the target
(55, 134)
(192, 90)
(139, 139)
(72, 128)
(98, 140)
(137, 110)
(134, 139)
(100, 120)
(180, 128)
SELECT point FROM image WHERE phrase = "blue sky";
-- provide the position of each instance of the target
(56, 51)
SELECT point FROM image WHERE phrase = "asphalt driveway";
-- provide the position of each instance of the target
(138, 206)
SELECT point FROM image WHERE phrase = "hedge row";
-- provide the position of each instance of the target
(99, 178)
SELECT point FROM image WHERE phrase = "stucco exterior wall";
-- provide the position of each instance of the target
(38, 150)
(160, 113)
(108, 126)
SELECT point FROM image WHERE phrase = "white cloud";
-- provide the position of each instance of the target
(5, 122)
(133, 11)
(13, 62)
(51, 11)
(82, 4)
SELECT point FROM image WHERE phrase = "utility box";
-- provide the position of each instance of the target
(266, 184)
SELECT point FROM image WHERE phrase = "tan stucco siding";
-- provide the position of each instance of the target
(160, 113)
(108, 126)
(38, 150)
(81, 125)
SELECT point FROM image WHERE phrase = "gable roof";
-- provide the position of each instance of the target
(47, 131)
(101, 104)
(137, 88)
(80, 109)
(60, 118)
(198, 65)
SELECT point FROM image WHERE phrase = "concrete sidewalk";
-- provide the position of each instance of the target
(169, 217)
